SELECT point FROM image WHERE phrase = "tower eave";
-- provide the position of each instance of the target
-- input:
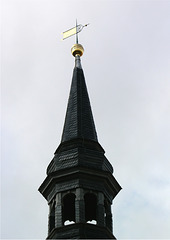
(75, 175)
(79, 142)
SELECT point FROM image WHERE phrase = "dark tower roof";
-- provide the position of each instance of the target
(79, 144)
(79, 121)
(79, 185)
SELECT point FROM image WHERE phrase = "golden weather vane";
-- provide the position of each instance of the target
(73, 31)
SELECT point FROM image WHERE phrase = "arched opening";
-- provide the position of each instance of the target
(92, 222)
(90, 208)
(68, 222)
(69, 209)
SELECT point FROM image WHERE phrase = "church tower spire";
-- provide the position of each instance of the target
(79, 186)
(79, 121)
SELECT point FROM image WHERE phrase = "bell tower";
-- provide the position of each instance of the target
(80, 185)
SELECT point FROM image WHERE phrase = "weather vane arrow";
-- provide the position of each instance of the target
(73, 31)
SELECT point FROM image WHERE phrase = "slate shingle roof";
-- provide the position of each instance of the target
(79, 121)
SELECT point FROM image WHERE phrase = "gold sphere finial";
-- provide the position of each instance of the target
(77, 49)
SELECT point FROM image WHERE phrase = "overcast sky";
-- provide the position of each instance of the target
(127, 69)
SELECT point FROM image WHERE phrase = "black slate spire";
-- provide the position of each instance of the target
(79, 121)
(79, 185)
